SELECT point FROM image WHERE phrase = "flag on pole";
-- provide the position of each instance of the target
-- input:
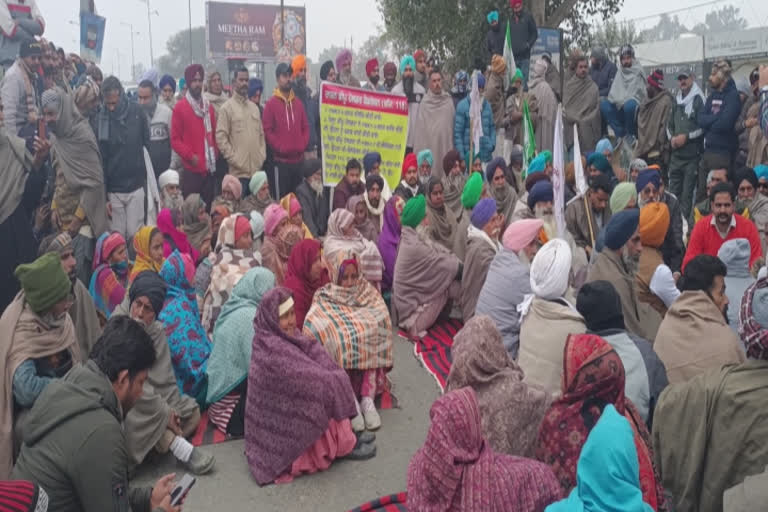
(581, 181)
(475, 120)
(558, 173)
(529, 139)
(509, 59)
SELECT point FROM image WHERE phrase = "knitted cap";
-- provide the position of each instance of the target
(44, 282)
(656, 79)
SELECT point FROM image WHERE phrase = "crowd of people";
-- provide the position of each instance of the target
(174, 254)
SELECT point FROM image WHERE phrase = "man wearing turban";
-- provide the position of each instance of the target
(655, 282)
(482, 246)
(413, 91)
(617, 263)
(494, 93)
(372, 72)
(470, 196)
(390, 75)
(304, 93)
(344, 69)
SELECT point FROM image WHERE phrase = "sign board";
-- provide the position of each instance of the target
(736, 43)
(548, 41)
(354, 122)
(672, 70)
(252, 31)
(92, 28)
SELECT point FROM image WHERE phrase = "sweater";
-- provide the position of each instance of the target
(188, 136)
(461, 126)
(286, 127)
(705, 239)
(718, 117)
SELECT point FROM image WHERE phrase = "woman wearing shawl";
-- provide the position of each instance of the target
(148, 245)
(174, 239)
(280, 238)
(292, 206)
(197, 224)
(205, 265)
(442, 225)
(231, 354)
(260, 197)
(608, 473)
(426, 274)
(363, 223)
(372, 165)
(592, 375)
(190, 346)
(457, 471)
(389, 239)
(511, 410)
(342, 237)
(293, 383)
(453, 182)
(350, 318)
(231, 193)
(543, 106)
(111, 269)
(500, 179)
(232, 259)
(306, 273)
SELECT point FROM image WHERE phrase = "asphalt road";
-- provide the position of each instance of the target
(346, 484)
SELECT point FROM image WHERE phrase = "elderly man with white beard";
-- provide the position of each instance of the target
(170, 191)
(617, 263)
(312, 198)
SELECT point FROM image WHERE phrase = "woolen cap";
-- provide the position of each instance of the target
(44, 282)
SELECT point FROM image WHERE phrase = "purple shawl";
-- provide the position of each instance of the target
(388, 240)
(294, 390)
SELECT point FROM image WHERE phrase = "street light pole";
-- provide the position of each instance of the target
(191, 56)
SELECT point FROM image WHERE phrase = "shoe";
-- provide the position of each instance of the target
(362, 452)
(358, 423)
(200, 462)
(372, 419)
(365, 437)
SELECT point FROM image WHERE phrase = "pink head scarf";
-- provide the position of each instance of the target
(233, 185)
(521, 233)
(112, 242)
(273, 215)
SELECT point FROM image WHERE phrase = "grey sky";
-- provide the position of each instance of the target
(329, 22)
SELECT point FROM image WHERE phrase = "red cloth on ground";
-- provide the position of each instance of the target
(339, 440)
(188, 136)
(705, 239)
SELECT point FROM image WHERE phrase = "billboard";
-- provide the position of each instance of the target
(252, 31)
(92, 29)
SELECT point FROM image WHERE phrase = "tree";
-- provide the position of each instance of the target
(455, 30)
(667, 28)
(178, 56)
(721, 20)
(611, 36)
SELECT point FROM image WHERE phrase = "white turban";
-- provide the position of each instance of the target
(169, 177)
(550, 270)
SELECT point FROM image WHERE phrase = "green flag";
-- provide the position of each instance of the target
(509, 59)
(529, 139)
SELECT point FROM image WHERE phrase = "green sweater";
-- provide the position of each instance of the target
(74, 446)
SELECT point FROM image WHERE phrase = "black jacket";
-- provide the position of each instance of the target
(123, 152)
(522, 34)
(315, 209)
(494, 41)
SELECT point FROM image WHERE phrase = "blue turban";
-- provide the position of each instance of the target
(761, 171)
(483, 212)
(481, 81)
(540, 192)
(407, 61)
(182, 83)
(599, 162)
(538, 164)
(254, 86)
(603, 145)
(369, 159)
(167, 80)
(647, 176)
(621, 227)
(494, 164)
(425, 155)
(493, 16)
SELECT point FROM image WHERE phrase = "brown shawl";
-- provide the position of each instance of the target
(442, 224)
(543, 112)
(434, 126)
(757, 141)
(197, 231)
(506, 198)
(652, 117)
(24, 335)
(511, 410)
(581, 105)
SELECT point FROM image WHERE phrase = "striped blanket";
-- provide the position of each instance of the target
(434, 349)
(392, 503)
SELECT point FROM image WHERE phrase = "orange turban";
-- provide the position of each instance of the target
(298, 63)
(498, 65)
(654, 223)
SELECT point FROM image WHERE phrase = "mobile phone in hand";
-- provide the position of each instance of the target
(41, 129)
(182, 488)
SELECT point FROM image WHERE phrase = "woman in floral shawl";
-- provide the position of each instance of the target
(111, 269)
(280, 238)
(349, 317)
(593, 375)
(342, 237)
(148, 245)
(190, 346)
(233, 258)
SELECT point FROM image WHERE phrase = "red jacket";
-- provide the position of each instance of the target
(705, 239)
(188, 136)
(286, 128)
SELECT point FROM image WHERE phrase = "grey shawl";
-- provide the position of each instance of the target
(434, 127)
(543, 105)
(85, 319)
(480, 253)
(581, 106)
(629, 84)
(15, 163)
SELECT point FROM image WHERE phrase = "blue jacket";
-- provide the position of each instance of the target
(461, 130)
(718, 117)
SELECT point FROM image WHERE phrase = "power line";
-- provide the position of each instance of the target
(651, 16)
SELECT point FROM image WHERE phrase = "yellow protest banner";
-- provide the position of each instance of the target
(354, 122)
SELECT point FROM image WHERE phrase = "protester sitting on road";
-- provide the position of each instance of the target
(281, 236)
(111, 269)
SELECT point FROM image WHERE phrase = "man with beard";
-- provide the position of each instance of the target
(508, 280)
(83, 311)
(372, 165)
(413, 91)
(239, 133)
(501, 189)
(170, 194)
(372, 72)
(18, 89)
(652, 117)
(286, 130)
(304, 93)
(162, 418)
(756, 204)
(494, 39)
(461, 127)
(159, 118)
(686, 140)
(215, 94)
(617, 264)
(602, 70)
(627, 92)
(650, 189)
(410, 185)
(482, 246)
(420, 71)
(374, 185)
(312, 198)
(194, 137)
(390, 76)
(655, 281)
(350, 185)
(586, 215)
(344, 69)
(553, 76)
(581, 105)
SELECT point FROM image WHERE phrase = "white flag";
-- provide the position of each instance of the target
(509, 59)
(581, 181)
(475, 116)
(558, 174)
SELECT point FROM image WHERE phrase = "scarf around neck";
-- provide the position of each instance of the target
(202, 109)
(687, 102)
